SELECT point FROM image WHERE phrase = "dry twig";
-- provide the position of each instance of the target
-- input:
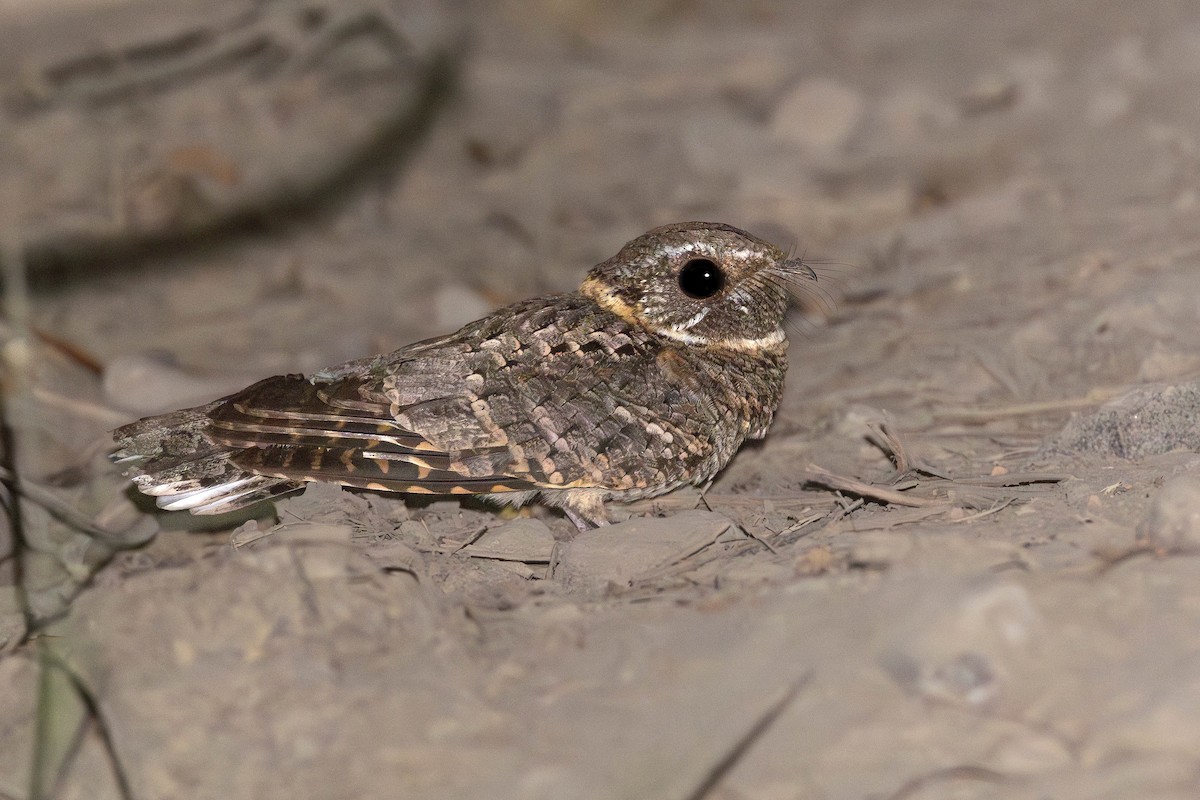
(817, 475)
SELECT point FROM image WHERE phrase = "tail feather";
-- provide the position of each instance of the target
(167, 441)
(170, 458)
(229, 496)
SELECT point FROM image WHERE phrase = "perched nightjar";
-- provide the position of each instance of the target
(650, 376)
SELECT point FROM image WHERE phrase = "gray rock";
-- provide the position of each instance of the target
(616, 555)
(1147, 421)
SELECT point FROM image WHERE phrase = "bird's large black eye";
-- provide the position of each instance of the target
(701, 278)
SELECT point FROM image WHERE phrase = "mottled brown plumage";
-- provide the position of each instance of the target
(670, 355)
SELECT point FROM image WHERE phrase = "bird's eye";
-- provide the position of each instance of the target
(701, 278)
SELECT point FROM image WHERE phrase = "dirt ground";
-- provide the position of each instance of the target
(1004, 201)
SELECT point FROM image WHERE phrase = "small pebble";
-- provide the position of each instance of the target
(818, 115)
(1173, 521)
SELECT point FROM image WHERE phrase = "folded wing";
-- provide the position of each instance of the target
(281, 432)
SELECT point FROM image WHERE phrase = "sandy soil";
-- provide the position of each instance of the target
(1005, 196)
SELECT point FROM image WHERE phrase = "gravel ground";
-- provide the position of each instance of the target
(1003, 201)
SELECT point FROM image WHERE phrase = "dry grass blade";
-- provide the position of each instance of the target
(1000, 506)
(76, 353)
(53, 666)
(896, 518)
(979, 415)
(960, 773)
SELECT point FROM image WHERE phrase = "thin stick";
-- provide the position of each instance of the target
(817, 475)
(16, 355)
(63, 511)
(718, 771)
(886, 440)
(759, 539)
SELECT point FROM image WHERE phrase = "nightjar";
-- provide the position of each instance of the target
(650, 376)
